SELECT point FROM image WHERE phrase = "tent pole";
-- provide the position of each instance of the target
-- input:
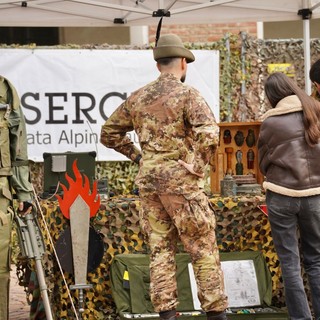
(306, 14)
(228, 68)
(307, 55)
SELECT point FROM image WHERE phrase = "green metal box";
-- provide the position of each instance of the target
(247, 280)
(57, 165)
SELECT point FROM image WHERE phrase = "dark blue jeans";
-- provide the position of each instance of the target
(290, 217)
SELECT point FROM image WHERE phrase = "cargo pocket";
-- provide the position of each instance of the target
(197, 216)
(6, 217)
(5, 239)
(5, 160)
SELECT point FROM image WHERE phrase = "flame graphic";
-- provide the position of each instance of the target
(77, 187)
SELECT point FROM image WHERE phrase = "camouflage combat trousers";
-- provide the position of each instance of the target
(5, 239)
(167, 218)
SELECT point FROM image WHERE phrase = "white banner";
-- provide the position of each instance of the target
(67, 95)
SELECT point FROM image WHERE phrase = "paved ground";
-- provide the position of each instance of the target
(18, 308)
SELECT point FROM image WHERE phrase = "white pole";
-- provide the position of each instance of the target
(306, 43)
(260, 31)
(139, 35)
(307, 55)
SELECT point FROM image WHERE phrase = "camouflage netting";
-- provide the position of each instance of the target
(244, 64)
(241, 226)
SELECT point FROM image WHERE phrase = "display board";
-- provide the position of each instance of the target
(67, 95)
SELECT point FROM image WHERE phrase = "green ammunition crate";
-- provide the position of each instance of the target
(130, 282)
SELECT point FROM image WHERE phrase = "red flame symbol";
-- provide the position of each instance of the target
(76, 188)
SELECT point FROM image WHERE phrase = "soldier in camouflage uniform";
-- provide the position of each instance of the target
(314, 75)
(178, 135)
(14, 176)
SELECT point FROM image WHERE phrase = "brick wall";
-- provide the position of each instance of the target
(204, 32)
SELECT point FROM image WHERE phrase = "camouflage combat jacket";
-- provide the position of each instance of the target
(172, 122)
(13, 142)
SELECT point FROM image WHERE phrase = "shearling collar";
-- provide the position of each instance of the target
(286, 105)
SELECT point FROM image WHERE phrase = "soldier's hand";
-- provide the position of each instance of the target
(189, 167)
(24, 207)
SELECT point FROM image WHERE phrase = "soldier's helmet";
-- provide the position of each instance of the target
(171, 46)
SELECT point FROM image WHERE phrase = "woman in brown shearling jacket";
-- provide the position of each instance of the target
(289, 153)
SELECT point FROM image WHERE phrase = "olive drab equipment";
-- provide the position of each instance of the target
(6, 214)
(6, 105)
(32, 247)
(130, 285)
(28, 231)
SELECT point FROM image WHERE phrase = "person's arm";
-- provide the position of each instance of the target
(20, 179)
(205, 131)
(263, 151)
(114, 134)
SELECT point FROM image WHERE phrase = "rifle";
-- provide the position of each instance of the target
(32, 247)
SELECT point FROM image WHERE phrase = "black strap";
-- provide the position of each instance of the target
(158, 30)
(137, 159)
(20, 163)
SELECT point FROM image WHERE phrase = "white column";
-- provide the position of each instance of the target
(260, 31)
(307, 55)
(306, 45)
(139, 35)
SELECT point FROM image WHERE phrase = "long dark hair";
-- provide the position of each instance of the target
(314, 72)
(279, 86)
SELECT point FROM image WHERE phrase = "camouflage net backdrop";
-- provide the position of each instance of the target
(244, 64)
(241, 226)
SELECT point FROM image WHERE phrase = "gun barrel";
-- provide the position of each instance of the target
(32, 246)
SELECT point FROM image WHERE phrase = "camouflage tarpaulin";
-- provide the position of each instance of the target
(241, 225)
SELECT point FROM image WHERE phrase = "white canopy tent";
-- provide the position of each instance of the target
(103, 13)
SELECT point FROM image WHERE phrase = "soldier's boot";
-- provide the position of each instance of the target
(211, 315)
(168, 315)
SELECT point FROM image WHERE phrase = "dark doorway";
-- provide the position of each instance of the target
(46, 36)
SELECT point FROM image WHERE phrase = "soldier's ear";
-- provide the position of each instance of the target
(158, 66)
(183, 63)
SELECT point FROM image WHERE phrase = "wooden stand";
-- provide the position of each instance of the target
(225, 160)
